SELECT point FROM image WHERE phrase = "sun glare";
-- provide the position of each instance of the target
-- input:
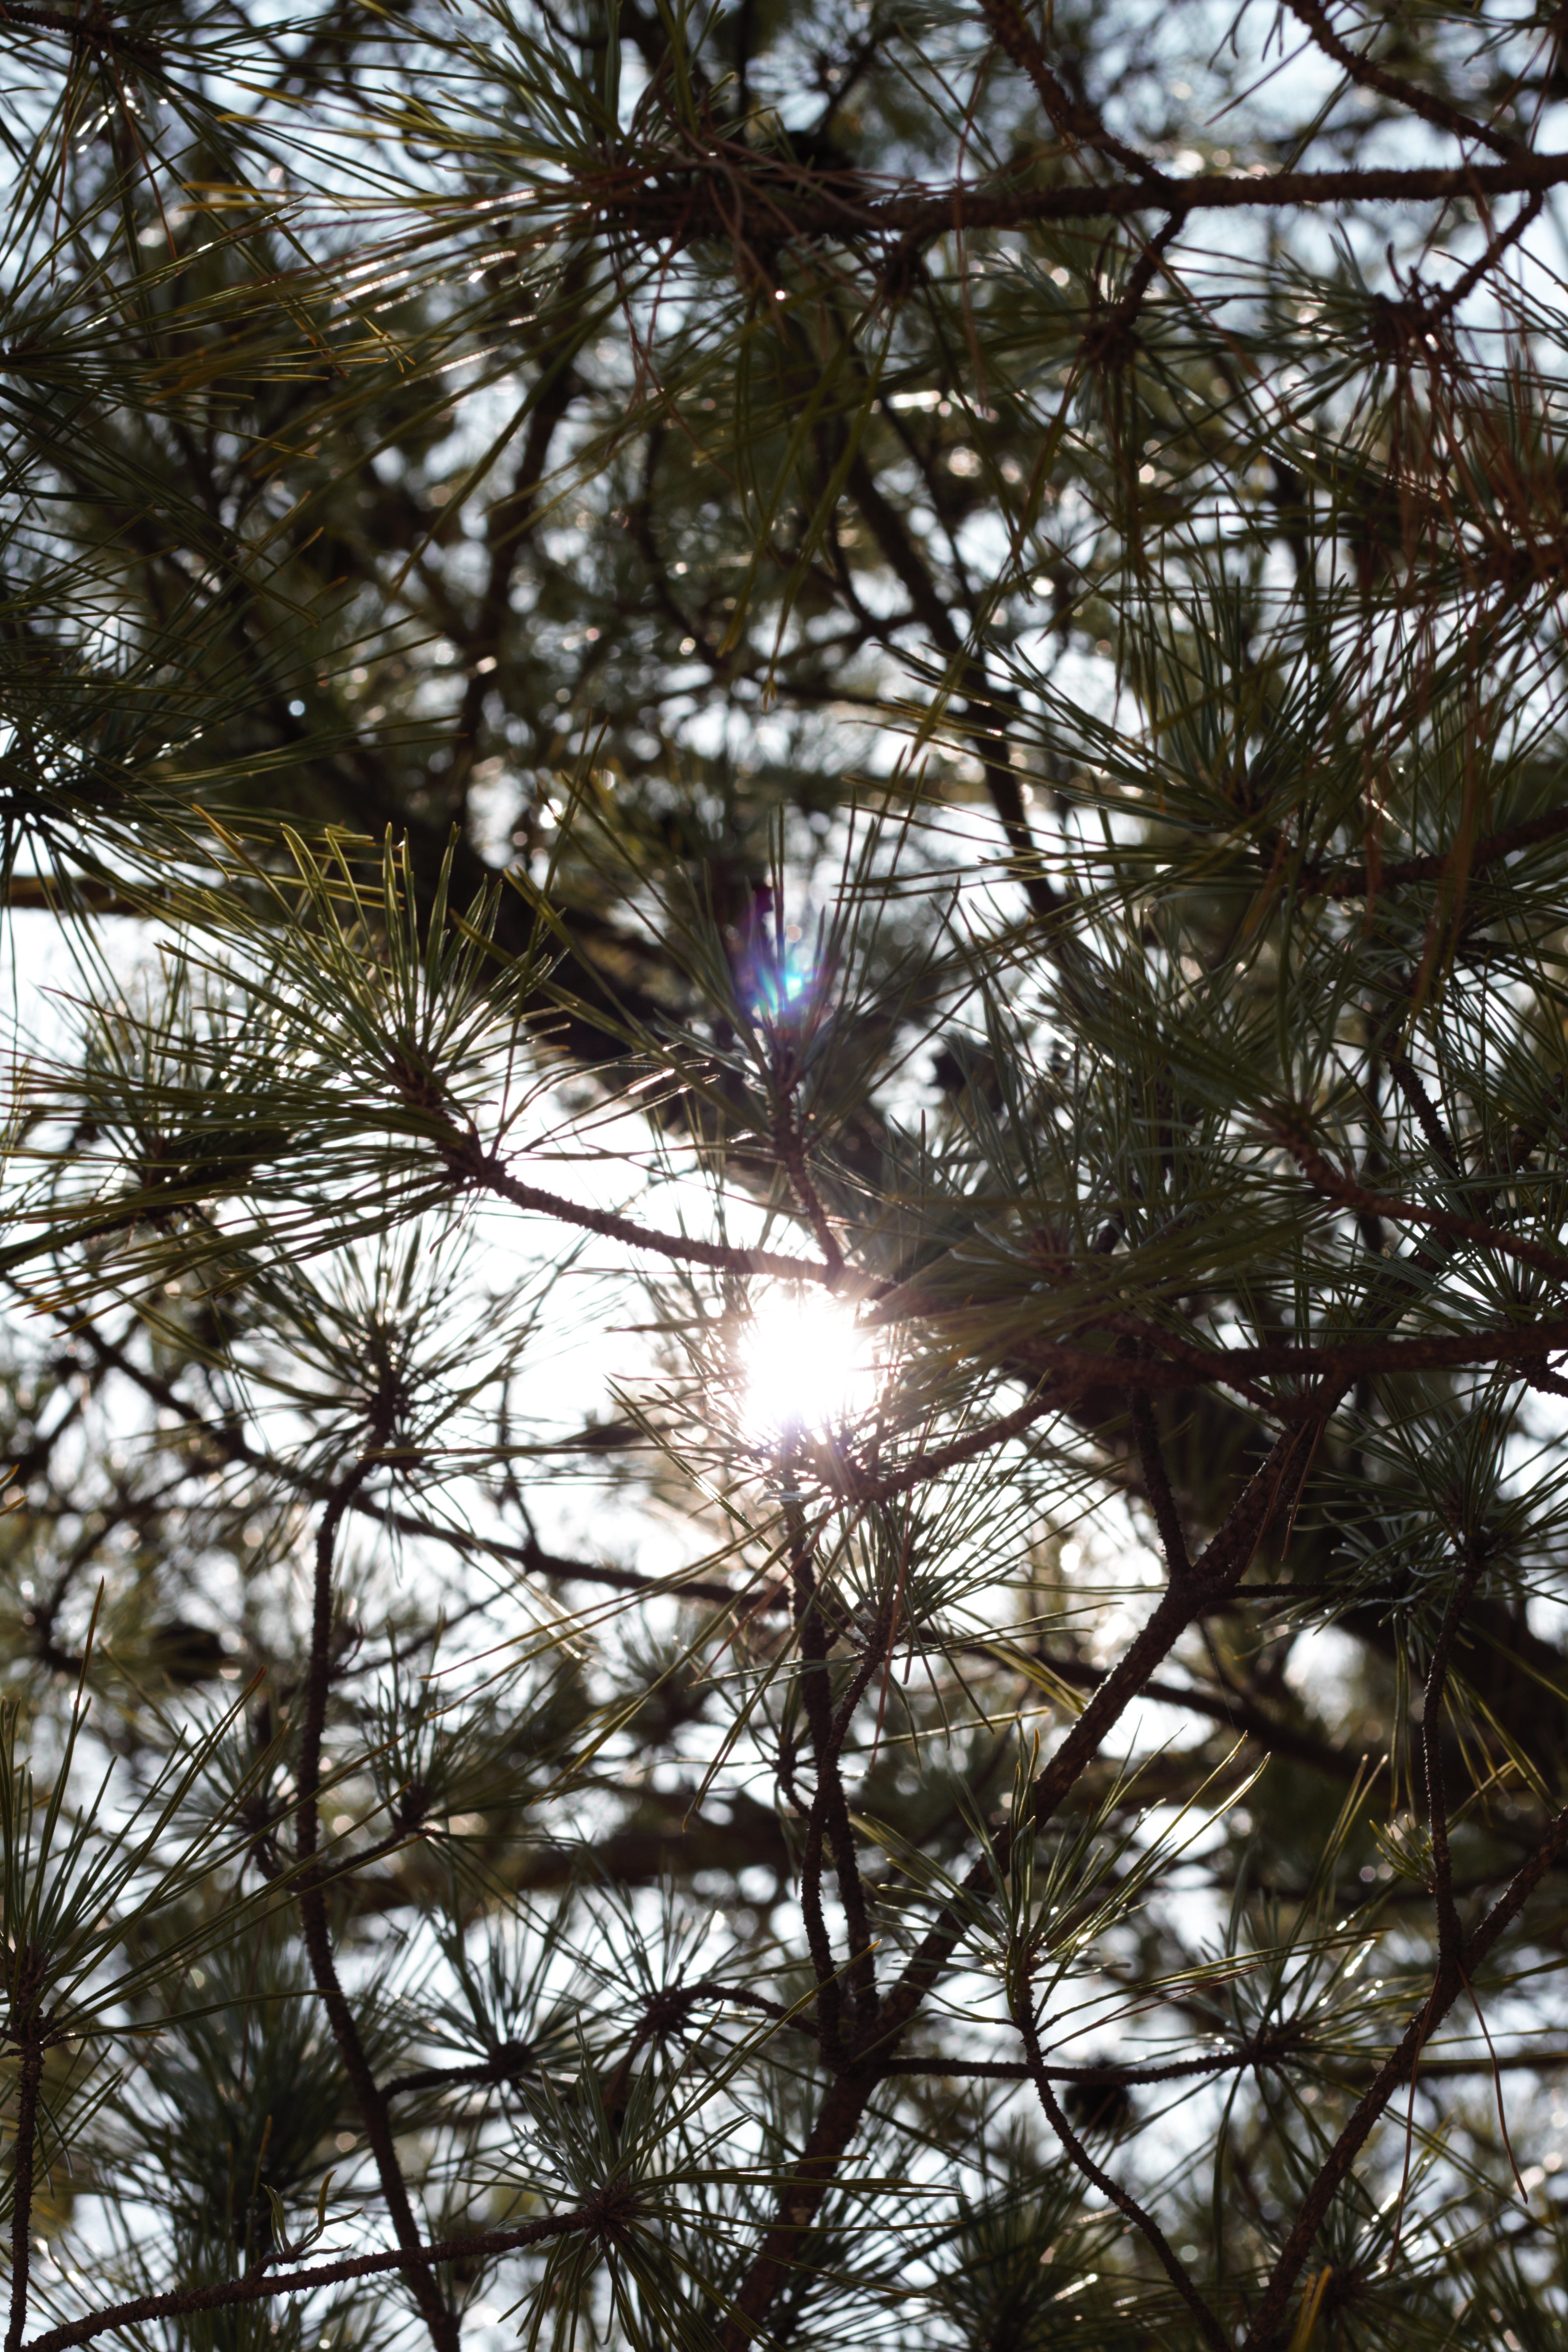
(806, 1363)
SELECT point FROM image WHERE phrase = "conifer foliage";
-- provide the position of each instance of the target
(785, 1305)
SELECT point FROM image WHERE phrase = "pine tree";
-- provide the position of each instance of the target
(787, 902)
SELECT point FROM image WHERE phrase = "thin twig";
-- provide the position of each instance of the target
(1157, 1486)
(1407, 1078)
(1484, 262)
(1447, 1986)
(1448, 1933)
(1328, 1180)
(1126, 2204)
(439, 2318)
(790, 1151)
(830, 1816)
(228, 2294)
(1369, 75)
(484, 1171)
(1353, 881)
(1074, 120)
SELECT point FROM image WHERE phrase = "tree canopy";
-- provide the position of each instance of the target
(785, 879)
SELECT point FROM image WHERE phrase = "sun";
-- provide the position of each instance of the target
(806, 1364)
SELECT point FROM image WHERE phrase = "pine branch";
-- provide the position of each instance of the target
(30, 2078)
(472, 1166)
(440, 2319)
(89, 28)
(608, 2214)
(1328, 1180)
(651, 202)
(1074, 122)
(1157, 1486)
(1450, 1979)
(1368, 75)
(1126, 2204)
(1448, 1931)
(1217, 1571)
(828, 1818)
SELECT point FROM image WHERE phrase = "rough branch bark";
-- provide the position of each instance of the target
(695, 204)
(232, 2293)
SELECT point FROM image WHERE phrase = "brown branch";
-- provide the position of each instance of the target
(1220, 1567)
(93, 31)
(440, 2319)
(1364, 71)
(854, 1486)
(29, 2077)
(1353, 881)
(1342, 2074)
(1328, 1180)
(682, 206)
(1126, 2204)
(1448, 1936)
(1214, 1575)
(606, 2215)
(1229, 1709)
(1110, 341)
(1439, 311)
(1269, 2051)
(978, 716)
(506, 2064)
(1073, 121)
(474, 1166)
(1217, 1570)
(789, 1149)
(837, 2120)
(1157, 1486)
(1343, 1362)
(514, 518)
(75, 894)
(1407, 1078)
(514, 2059)
(829, 1814)
(1452, 1974)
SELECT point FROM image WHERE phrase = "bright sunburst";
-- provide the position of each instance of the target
(806, 1363)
